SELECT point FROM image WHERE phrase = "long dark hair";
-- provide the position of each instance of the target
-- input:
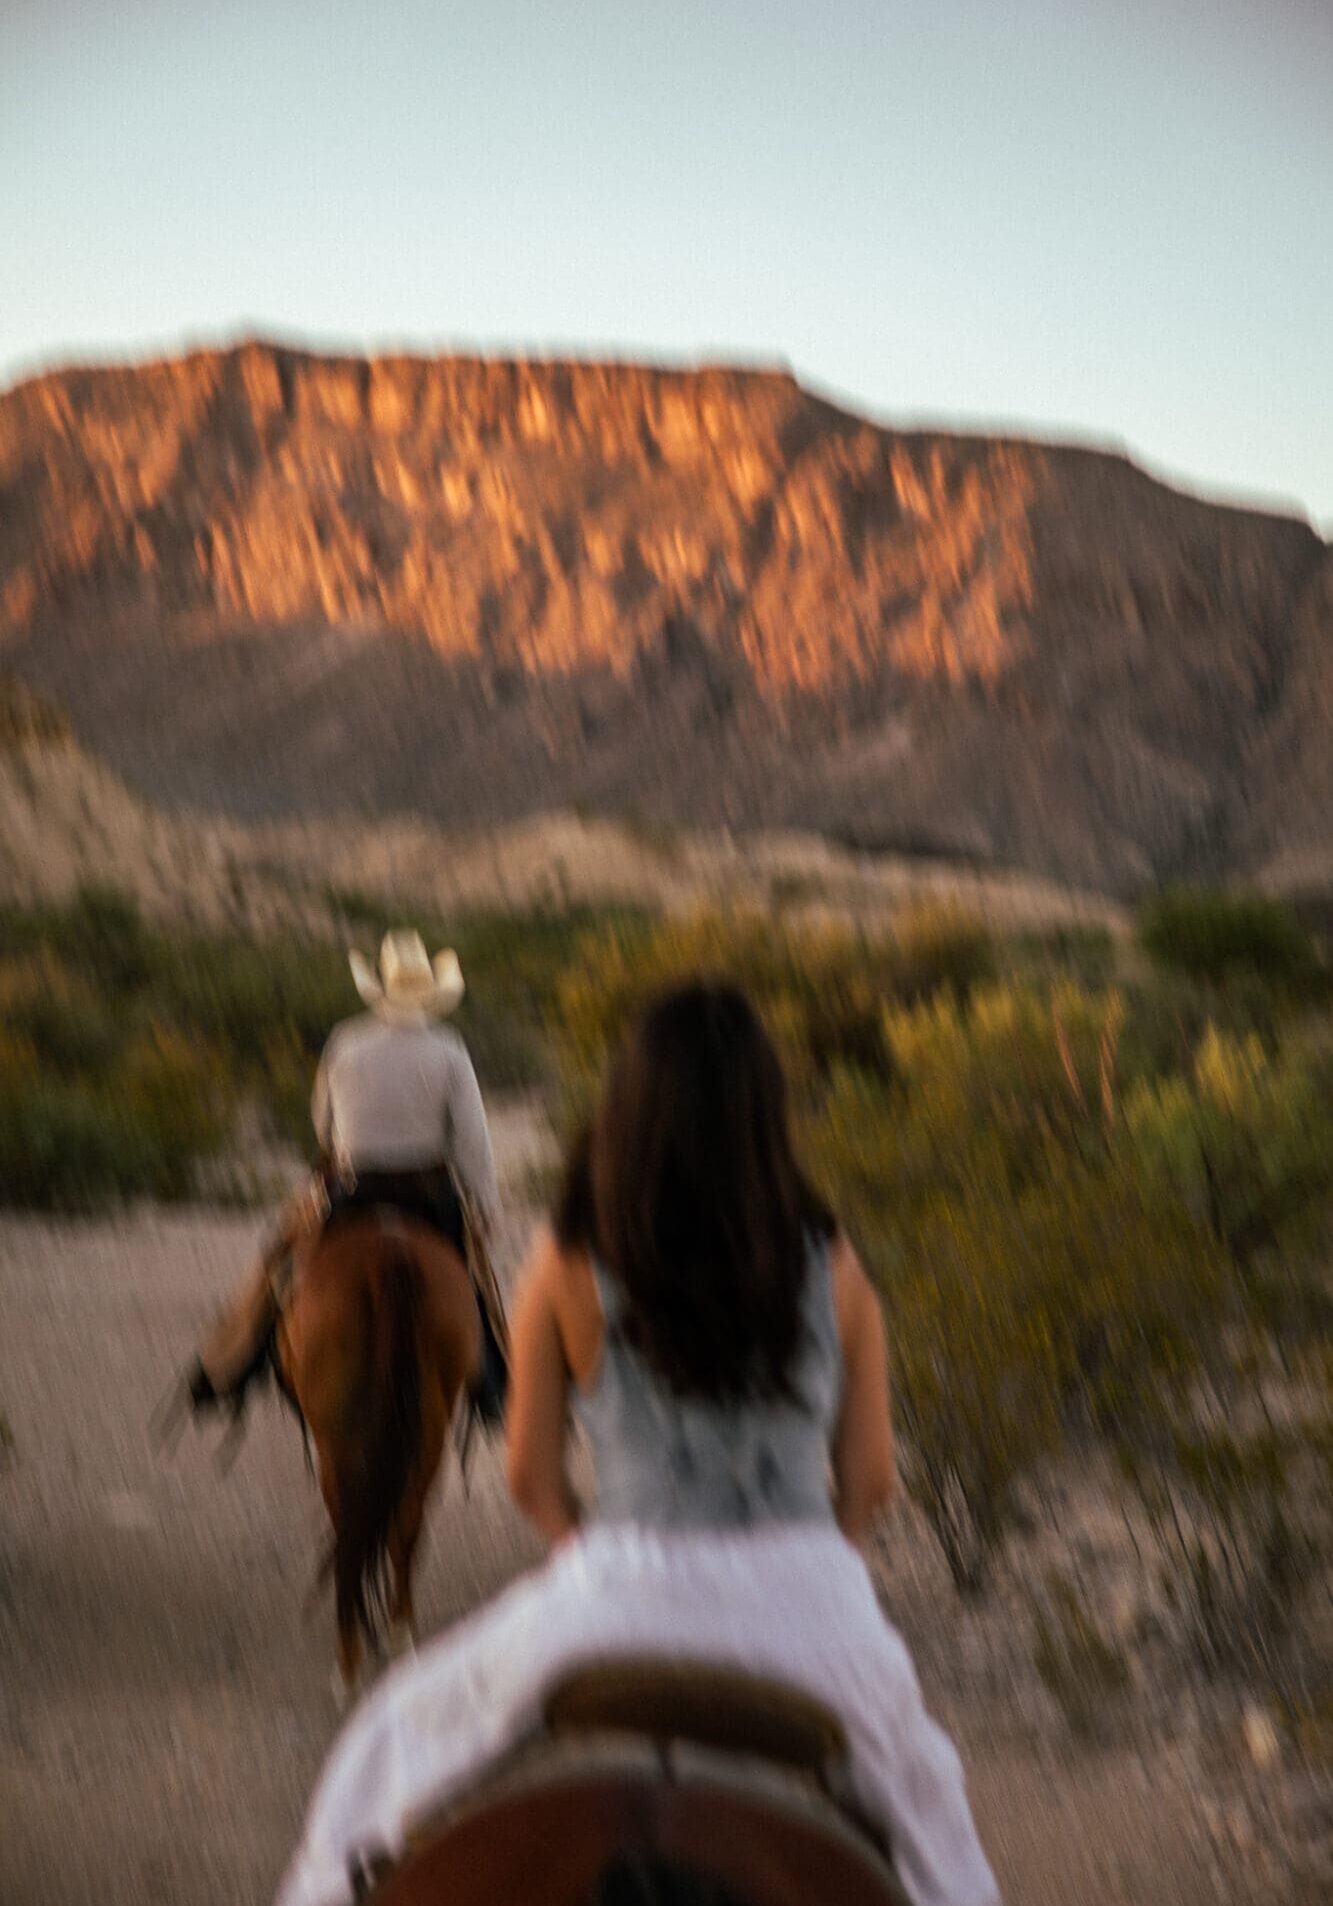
(686, 1188)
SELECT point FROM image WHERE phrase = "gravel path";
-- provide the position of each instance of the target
(164, 1700)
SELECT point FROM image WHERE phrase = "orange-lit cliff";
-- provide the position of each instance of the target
(269, 582)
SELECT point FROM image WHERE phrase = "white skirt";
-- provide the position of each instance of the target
(793, 1601)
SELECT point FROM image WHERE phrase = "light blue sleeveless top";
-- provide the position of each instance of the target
(665, 1461)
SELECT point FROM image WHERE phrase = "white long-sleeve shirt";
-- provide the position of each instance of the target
(794, 1601)
(401, 1097)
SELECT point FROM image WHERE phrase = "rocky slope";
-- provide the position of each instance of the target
(66, 822)
(274, 585)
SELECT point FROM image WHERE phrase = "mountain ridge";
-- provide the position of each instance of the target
(269, 583)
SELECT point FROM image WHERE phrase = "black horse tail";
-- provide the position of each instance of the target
(375, 1480)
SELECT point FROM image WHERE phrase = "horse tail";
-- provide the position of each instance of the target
(391, 1443)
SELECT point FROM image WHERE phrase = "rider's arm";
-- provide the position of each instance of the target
(862, 1452)
(321, 1103)
(468, 1138)
(538, 1400)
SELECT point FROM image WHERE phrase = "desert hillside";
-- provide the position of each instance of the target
(67, 821)
(276, 586)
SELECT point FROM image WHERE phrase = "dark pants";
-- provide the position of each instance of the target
(429, 1196)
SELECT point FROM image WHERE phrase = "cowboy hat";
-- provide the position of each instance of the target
(411, 986)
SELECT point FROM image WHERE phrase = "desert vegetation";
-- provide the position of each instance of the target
(134, 1055)
(1092, 1180)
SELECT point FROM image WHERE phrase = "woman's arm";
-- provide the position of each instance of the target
(535, 1422)
(862, 1453)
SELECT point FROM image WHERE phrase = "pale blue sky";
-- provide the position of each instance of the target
(1106, 219)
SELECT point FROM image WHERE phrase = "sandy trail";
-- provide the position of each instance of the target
(164, 1704)
(164, 1700)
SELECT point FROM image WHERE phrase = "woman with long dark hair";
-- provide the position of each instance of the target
(696, 1303)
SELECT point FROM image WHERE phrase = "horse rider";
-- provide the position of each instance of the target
(399, 1120)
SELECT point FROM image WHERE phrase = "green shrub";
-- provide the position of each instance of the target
(820, 989)
(283, 1081)
(240, 994)
(177, 1095)
(357, 912)
(103, 936)
(125, 1049)
(978, 1377)
(1245, 1140)
(67, 1023)
(64, 1148)
(1085, 954)
(1022, 1208)
(1031, 1291)
(939, 947)
(1214, 937)
(1000, 1090)
(19, 1064)
(77, 1144)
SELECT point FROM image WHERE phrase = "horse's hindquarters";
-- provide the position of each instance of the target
(380, 1336)
(550, 1841)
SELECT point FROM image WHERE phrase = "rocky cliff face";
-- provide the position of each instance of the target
(271, 583)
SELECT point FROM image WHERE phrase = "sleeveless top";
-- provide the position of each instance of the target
(667, 1461)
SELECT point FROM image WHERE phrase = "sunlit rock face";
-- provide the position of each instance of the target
(269, 582)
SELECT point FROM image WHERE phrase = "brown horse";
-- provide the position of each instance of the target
(380, 1335)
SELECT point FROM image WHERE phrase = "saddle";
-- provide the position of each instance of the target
(647, 1765)
(430, 1197)
(239, 1349)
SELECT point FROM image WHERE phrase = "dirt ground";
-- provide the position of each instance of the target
(164, 1699)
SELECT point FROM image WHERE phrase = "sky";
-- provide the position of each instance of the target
(1108, 221)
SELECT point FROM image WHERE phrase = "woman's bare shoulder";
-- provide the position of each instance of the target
(852, 1289)
(560, 1280)
(558, 1267)
(562, 1276)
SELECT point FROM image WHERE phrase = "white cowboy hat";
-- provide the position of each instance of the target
(411, 986)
